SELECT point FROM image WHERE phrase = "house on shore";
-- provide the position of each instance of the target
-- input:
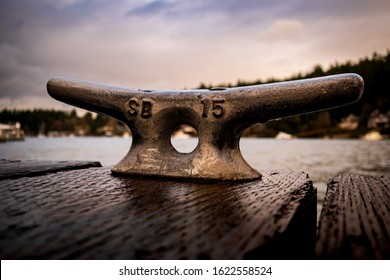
(11, 132)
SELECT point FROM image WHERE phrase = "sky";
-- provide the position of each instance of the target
(177, 44)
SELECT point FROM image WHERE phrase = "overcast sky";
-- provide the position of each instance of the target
(176, 44)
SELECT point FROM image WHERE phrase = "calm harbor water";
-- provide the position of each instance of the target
(320, 158)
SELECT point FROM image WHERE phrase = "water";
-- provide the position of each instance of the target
(321, 159)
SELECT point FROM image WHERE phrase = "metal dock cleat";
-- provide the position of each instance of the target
(219, 115)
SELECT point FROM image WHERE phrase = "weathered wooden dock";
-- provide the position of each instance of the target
(355, 219)
(78, 210)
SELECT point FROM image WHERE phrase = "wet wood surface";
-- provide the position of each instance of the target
(91, 214)
(355, 219)
(18, 169)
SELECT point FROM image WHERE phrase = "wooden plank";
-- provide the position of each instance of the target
(91, 214)
(355, 219)
(16, 168)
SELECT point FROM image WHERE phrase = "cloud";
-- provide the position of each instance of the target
(284, 29)
(336, 9)
(151, 8)
(177, 43)
(17, 78)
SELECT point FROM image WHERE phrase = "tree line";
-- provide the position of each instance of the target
(375, 71)
(41, 121)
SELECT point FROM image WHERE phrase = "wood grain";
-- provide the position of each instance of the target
(17, 169)
(91, 214)
(355, 219)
